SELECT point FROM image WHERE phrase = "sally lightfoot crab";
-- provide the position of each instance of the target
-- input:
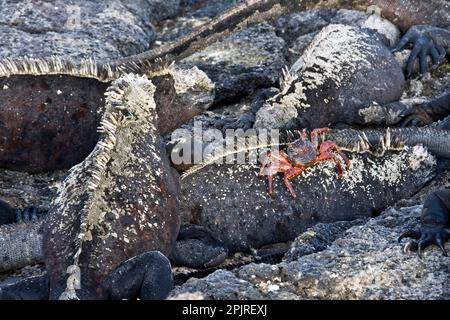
(300, 155)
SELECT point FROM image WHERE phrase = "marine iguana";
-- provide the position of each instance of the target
(435, 224)
(375, 142)
(345, 76)
(232, 194)
(73, 80)
(115, 209)
(75, 270)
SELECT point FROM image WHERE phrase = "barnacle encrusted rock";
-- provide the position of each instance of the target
(234, 203)
(328, 84)
(51, 108)
(121, 201)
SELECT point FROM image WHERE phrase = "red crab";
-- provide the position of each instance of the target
(301, 154)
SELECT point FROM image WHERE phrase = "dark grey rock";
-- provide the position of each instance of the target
(366, 263)
(331, 80)
(194, 13)
(233, 202)
(196, 247)
(298, 24)
(242, 62)
(210, 8)
(80, 28)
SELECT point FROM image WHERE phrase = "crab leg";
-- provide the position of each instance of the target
(273, 163)
(328, 146)
(291, 174)
(330, 156)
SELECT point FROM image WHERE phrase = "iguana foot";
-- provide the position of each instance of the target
(244, 122)
(197, 247)
(424, 238)
(427, 42)
(434, 224)
(147, 277)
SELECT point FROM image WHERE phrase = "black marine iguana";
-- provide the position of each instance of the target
(435, 224)
(22, 244)
(75, 79)
(73, 281)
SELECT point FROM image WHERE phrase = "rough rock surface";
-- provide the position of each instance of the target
(233, 202)
(242, 62)
(80, 28)
(193, 14)
(366, 263)
(298, 29)
(65, 111)
(62, 111)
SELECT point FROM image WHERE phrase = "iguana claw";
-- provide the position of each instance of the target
(424, 45)
(434, 225)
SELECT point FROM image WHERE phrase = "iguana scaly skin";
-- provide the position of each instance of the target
(120, 202)
(375, 142)
(66, 82)
(404, 13)
(20, 245)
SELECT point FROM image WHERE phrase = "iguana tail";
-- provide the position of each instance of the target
(377, 141)
(20, 245)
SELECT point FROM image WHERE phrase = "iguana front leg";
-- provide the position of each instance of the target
(435, 224)
(147, 277)
(427, 41)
